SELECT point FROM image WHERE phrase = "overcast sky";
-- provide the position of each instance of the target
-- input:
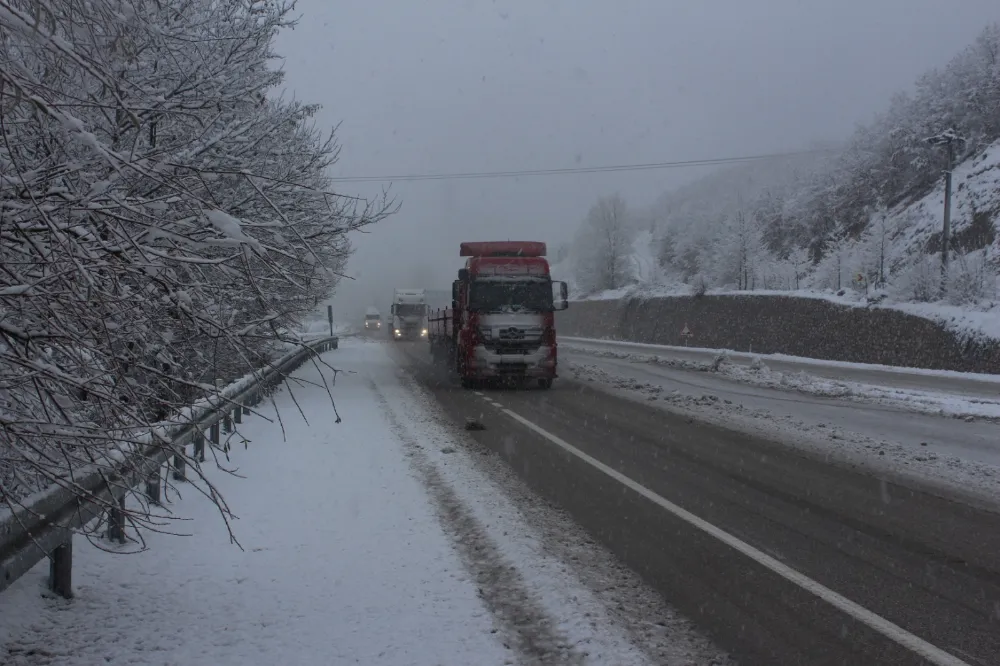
(476, 85)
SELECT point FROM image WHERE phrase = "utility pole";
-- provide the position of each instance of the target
(948, 139)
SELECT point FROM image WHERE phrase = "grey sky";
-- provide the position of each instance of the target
(452, 86)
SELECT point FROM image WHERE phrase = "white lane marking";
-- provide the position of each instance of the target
(915, 644)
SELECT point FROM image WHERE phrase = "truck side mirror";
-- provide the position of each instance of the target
(560, 296)
(454, 294)
(463, 274)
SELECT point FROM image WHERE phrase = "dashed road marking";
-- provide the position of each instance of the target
(890, 630)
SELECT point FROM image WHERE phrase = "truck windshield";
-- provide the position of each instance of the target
(487, 296)
(371, 317)
(410, 309)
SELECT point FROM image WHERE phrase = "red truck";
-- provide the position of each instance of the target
(501, 323)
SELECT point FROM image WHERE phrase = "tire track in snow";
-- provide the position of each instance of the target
(531, 632)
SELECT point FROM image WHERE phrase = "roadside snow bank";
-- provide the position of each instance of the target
(343, 560)
(931, 461)
(759, 374)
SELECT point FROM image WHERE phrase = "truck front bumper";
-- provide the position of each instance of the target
(538, 364)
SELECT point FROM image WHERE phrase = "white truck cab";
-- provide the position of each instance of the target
(373, 320)
(409, 314)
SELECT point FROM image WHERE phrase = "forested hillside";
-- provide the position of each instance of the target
(862, 216)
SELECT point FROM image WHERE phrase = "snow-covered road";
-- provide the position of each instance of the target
(951, 450)
(386, 539)
(969, 385)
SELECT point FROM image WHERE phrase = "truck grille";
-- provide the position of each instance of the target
(515, 347)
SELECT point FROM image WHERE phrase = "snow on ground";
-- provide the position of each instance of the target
(599, 608)
(950, 454)
(343, 562)
(976, 383)
(757, 373)
(372, 541)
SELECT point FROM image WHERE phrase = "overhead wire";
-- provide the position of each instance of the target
(519, 173)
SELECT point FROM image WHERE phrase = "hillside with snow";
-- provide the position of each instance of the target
(858, 223)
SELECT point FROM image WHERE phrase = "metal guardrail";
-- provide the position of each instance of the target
(42, 526)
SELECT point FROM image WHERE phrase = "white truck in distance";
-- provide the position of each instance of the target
(409, 314)
(373, 320)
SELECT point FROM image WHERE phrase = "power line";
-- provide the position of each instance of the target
(575, 170)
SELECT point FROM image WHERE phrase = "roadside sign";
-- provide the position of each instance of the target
(686, 334)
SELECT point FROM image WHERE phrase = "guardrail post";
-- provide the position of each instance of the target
(178, 465)
(336, 343)
(199, 446)
(153, 486)
(116, 520)
(238, 414)
(61, 569)
(227, 423)
(213, 433)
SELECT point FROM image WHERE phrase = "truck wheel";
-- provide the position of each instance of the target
(468, 383)
(545, 383)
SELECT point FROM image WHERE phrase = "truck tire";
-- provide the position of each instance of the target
(545, 383)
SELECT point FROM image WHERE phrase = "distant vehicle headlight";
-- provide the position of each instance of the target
(423, 332)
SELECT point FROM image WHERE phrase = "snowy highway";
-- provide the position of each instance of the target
(580, 525)
(783, 557)
(389, 539)
(804, 415)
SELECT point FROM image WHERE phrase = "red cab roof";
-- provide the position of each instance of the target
(503, 249)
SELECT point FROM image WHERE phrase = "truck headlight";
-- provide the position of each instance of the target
(423, 332)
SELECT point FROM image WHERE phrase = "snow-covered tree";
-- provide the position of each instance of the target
(163, 220)
(740, 253)
(602, 247)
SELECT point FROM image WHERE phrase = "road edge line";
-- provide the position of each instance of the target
(890, 630)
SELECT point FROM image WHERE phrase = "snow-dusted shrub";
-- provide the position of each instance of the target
(971, 279)
(920, 282)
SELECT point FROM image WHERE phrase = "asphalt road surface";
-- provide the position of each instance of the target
(781, 558)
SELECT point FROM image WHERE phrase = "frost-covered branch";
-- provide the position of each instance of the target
(164, 219)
